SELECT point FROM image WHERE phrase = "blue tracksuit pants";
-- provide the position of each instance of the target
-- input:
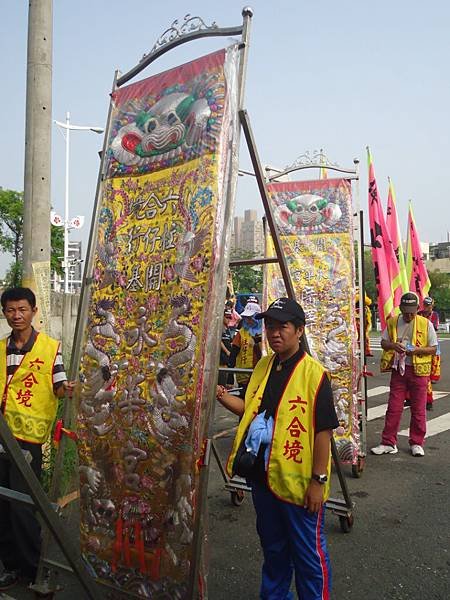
(292, 541)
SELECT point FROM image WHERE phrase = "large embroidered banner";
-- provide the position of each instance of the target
(315, 224)
(147, 362)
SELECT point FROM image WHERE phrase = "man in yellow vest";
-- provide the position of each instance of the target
(433, 316)
(282, 447)
(32, 377)
(246, 346)
(409, 342)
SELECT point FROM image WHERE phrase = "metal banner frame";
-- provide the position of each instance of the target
(318, 160)
(191, 28)
(179, 33)
(342, 508)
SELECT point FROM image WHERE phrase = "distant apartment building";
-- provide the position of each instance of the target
(248, 233)
(439, 257)
(439, 250)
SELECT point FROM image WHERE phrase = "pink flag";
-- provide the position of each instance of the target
(383, 257)
(419, 281)
(400, 285)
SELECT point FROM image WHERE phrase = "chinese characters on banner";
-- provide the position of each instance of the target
(145, 365)
(315, 224)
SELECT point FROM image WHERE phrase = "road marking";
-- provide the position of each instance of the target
(379, 411)
(376, 391)
(438, 395)
(434, 426)
(376, 412)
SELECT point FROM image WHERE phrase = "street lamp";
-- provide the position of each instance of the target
(69, 127)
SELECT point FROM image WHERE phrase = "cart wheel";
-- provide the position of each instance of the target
(346, 523)
(237, 497)
(358, 468)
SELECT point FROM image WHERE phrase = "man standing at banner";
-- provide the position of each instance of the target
(428, 312)
(246, 347)
(32, 377)
(234, 318)
(409, 343)
(225, 344)
(282, 447)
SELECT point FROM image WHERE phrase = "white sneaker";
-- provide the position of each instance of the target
(417, 450)
(383, 449)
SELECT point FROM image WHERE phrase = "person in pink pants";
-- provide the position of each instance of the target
(409, 342)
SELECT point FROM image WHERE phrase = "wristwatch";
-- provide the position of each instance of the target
(322, 479)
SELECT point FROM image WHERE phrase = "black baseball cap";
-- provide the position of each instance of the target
(427, 300)
(409, 302)
(283, 309)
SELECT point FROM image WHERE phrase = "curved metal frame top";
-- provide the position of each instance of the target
(353, 172)
(171, 38)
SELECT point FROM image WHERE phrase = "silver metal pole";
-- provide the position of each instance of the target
(82, 315)
(362, 306)
(66, 209)
(247, 14)
(192, 592)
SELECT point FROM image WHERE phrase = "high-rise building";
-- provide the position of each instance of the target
(248, 233)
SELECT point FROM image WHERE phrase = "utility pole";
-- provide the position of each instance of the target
(36, 229)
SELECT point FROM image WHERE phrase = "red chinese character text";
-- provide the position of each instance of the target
(296, 402)
(35, 363)
(29, 380)
(24, 397)
(292, 451)
(295, 428)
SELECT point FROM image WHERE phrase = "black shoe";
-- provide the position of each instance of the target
(8, 579)
(430, 406)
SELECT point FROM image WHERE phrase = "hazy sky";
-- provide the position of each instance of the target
(331, 75)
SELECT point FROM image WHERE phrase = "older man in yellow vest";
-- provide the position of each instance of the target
(282, 447)
(409, 342)
(32, 377)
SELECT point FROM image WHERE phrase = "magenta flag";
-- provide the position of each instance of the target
(400, 284)
(419, 281)
(383, 257)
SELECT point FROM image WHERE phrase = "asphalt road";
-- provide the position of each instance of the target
(399, 546)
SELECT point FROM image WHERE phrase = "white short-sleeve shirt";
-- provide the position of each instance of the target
(404, 335)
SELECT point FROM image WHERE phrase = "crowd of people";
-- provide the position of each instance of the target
(282, 447)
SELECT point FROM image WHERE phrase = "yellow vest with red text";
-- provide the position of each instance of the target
(29, 400)
(291, 457)
(244, 360)
(421, 364)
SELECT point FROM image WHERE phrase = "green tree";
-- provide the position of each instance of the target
(11, 231)
(440, 289)
(57, 248)
(246, 278)
(369, 274)
(11, 236)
